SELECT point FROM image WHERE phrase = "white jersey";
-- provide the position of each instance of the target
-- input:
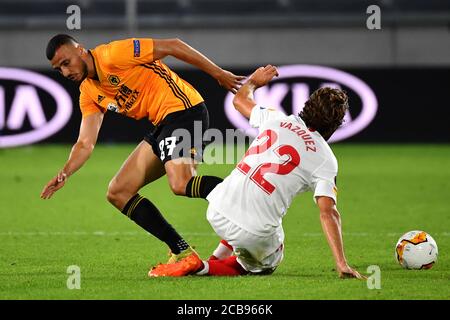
(284, 160)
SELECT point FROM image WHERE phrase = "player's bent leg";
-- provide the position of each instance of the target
(201, 186)
(179, 172)
(140, 168)
(223, 250)
(183, 180)
(225, 267)
(261, 265)
(180, 145)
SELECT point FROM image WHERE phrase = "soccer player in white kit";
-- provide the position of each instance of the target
(290, 156)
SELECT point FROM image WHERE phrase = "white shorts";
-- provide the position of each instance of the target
(254, 253)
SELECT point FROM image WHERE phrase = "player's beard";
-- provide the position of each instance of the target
(85, 72)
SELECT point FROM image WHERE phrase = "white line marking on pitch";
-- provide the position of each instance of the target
(199, 234)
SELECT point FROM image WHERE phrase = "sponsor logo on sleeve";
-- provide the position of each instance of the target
(137, 48)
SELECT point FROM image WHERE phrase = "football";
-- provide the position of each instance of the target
(416, 250)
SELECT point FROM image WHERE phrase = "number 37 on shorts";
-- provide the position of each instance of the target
(167, 146)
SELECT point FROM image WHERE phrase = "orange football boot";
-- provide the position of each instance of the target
(188, 265)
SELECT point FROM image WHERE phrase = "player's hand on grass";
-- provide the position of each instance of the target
(229, 80)
(345, 271)
(54, 185)
(263, 75)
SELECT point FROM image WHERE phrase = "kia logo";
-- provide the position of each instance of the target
(329, 77)
(25, 104)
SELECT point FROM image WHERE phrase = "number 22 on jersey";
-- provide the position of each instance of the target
(264, 142)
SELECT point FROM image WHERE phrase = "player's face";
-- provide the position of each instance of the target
(68, 61)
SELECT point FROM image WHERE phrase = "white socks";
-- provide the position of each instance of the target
(223, 251)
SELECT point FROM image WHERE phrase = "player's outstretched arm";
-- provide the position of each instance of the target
(182, 51)
(244, 100)
(81, 151)
(331, 225)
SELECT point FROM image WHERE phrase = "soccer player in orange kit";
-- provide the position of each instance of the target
(128, 77)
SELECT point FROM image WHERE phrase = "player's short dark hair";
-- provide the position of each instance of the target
(56, 42)
(325, 110)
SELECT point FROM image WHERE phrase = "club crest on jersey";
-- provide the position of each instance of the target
(113, 80)
(112, 107)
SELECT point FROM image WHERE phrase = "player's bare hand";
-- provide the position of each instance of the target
(54, 185)
(345, 271)
(229, 80)
(263, 75)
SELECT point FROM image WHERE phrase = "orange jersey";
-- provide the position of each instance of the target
(130, 82)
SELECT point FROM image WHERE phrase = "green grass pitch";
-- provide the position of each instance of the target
(384, 191)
